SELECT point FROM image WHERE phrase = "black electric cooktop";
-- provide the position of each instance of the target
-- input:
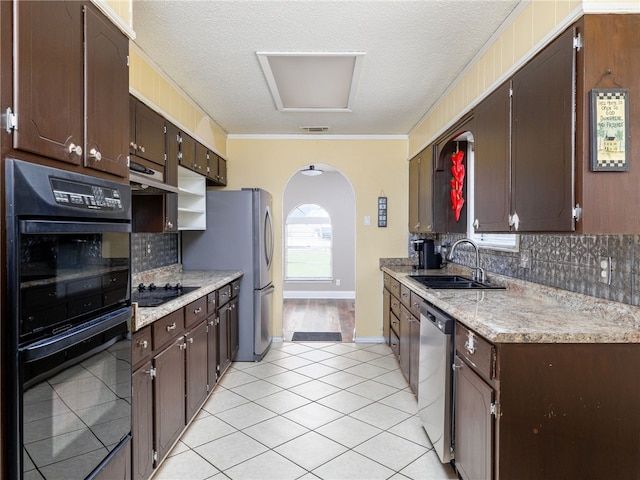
(154, 296)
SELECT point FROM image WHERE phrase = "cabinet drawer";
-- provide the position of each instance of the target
(212, 302)
(395, 344)
(394, 323)
(224, 294)
(167, 328)
(141, 346)
(405, 295)
(235, 288)
(416, 301)
(393, 285)
(476, 351)
(195, 311)
(395, 306)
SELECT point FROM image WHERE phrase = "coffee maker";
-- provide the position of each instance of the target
(427, 258)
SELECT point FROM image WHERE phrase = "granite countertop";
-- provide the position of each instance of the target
(526, 312)
(208, 281)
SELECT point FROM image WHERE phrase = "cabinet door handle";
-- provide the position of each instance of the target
(211, 323)
(141, 148)
(171, 327)
(169, 224)
(133, 145)
(94, 153)
(476, 223)
(455, 367)
(183, 346)
(190, 339)
(470, 344)
(77, 149)
(143, 343)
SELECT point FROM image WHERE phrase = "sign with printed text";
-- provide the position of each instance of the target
(609, 130)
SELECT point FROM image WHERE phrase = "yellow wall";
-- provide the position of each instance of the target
(527, 31)
(148, 83)
(526, 34)
(372, 166)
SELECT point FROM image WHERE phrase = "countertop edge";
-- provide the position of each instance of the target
(208, 281)
(603, 321)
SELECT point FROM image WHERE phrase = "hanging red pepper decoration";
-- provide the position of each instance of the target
(457, 182)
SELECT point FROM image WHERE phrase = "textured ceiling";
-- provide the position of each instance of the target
(414, 51)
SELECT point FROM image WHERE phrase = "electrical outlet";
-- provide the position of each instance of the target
(606, 267)
(148, 249)
(367, 220)
(337, 282)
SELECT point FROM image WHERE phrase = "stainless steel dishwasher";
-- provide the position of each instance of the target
(435, 388)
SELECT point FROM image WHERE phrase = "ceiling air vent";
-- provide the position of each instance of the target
(315, 129)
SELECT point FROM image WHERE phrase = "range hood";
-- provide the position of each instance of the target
(142, 184)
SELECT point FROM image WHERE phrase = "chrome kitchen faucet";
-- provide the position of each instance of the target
(478, 272)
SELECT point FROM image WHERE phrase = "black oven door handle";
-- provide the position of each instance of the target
(51, 227)
(48, 346)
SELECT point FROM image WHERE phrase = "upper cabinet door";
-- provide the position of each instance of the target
(542, 155)
(492, 173)
(148, 133)
(48, 91)
(106, 95)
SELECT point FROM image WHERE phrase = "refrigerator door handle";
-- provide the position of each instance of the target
(268, 237)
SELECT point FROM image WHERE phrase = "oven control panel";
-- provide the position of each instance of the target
(84, 195)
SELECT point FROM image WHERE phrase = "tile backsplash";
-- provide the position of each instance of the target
(153, 250)
(570, 262)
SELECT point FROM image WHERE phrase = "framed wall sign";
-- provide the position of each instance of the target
(382, 211)
(609, 130)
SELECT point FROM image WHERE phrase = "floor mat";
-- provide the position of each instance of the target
(316, 337)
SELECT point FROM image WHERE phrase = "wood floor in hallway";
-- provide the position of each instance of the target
(319, 315)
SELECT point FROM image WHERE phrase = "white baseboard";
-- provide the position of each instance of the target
(369, 339)
(317, 294)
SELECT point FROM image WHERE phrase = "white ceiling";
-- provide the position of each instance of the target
(413, 50)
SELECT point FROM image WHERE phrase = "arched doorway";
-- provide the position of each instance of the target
(319, 255)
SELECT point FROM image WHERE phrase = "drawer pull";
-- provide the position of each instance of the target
(171, 327)
(143, 343)
(190, 340)
(197, 310)
(470, 344)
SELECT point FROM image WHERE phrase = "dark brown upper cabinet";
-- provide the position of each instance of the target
(147, 132)
(216, 170)
(71, 77)
(524, 155)
(492, 162)
(187, 151)
(542, 140)
(607, 59)
(421, 192)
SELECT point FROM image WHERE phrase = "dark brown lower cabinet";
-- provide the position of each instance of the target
(531, 411)
(142, 420)
(169, 396)
(173, 378)
(224, 351)
(405, 342)
(234, 328)
(474, 424)
(196, 369)
(213, 367)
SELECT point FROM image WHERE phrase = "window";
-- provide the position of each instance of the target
(308, 244)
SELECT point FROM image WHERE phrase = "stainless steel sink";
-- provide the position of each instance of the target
(453, 282)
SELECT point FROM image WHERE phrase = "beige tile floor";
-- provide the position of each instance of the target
(308, 411)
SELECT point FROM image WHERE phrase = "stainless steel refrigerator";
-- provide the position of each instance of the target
(239, 236)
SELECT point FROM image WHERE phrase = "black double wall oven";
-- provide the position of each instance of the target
(67, 331)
